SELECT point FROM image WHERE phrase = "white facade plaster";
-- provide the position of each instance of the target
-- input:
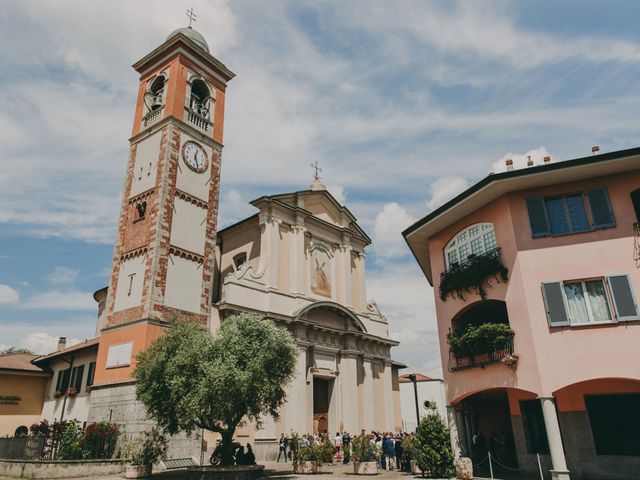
(432, 391)
(130, 283)
(184, 284)
(188, 181)
(189, 225)
(146, 165)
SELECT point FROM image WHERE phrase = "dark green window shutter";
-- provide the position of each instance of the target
(91, 373)
(538, 217)
(59, 381)
(601, 212)
(77, 383)
(554, 304)
(66, 377)
(623, 300)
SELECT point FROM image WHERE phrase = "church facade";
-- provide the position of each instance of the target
(298, 262)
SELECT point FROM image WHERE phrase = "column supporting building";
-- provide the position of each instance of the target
(554, 438)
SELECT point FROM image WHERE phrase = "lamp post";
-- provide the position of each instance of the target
(412, 377)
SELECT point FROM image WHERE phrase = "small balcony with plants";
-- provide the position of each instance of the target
(482, 336)
(473, 275)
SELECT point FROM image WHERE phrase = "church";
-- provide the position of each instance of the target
(299, 261)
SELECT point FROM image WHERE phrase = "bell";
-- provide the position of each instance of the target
(157, 101)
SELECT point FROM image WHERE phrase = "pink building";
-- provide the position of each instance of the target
(536, 276)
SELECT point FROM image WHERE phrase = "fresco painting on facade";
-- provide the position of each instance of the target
(569, 393)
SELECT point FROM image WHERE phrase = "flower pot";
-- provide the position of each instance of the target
(482, 358)
(365, 468)
(415, 469)
(138, 471)
(305, 466)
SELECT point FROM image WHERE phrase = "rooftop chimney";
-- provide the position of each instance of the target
(595, 149)
(509, 164)
(529, 161)
(547, 159)
(62, 342)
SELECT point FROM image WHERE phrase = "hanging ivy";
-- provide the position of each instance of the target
(473, 275)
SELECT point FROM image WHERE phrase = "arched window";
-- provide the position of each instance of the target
(200, 98)
(154, 98)
(474, 240)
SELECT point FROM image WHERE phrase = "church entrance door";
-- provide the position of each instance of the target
(321, 399)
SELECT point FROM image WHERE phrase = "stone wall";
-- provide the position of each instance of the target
(59, 469)
(118, 404)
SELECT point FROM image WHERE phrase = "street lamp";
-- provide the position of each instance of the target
(412, 377)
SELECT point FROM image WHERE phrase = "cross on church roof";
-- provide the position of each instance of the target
(191, 15)
(317, 170)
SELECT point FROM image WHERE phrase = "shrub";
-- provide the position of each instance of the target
(433, 446)
(99, 440)
(473, 275)
(362, 450)
(70, 447)
(313, 452)
(147, 449)
(328, 450)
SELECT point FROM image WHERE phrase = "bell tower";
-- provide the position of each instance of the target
(163, 259)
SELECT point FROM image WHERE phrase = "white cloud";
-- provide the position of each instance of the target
(43, 343)
(338, 192)
(444, 189)
(387, 231)
(8, 295)
(58, 300)
(62, 276)
(520, 159)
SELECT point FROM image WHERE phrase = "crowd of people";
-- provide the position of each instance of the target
(390, 453)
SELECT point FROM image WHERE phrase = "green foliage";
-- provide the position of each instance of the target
(314, 452)
(473, 275)
(328, 450)
(190, 379)
(433, 452)
(99, 440)
(70, 447)
(409, 446)
(479, 339)
(147, 449)
(363, 450)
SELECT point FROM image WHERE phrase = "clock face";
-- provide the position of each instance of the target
(195, 157)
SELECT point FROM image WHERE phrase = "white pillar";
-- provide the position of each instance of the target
(554, 438)
(452, 420)
(272, 234)
(388, 398)
(297, 271)
(349, 393)
(368, 395)
(296, 408)
(344, 273)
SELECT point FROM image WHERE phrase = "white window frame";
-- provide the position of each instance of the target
(452, 245)
(607, 292)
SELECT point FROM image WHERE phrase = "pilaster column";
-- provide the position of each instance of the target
(297, 409)
(360, 271)
(297, 271)
(388, 398)
(554, 438)
(368, 395)
(271, 239)
(348, 390)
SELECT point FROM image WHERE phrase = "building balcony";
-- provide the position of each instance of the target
(473, 275)
(199, 121)
(503, 355)
(152, 117)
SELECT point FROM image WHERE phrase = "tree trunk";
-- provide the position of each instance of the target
(227, 447)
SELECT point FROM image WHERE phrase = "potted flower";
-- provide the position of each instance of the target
(363, 454)
(141, 453)
(410, 449)
(57, 394)
(309, 458)
(71, 392)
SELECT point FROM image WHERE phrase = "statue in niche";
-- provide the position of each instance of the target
(320, 283)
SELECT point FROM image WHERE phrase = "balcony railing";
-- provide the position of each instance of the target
(151, 117)
(198, 120)
(473, 275)
(503, 355)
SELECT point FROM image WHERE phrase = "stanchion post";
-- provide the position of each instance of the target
(540, 467)
(490, 465)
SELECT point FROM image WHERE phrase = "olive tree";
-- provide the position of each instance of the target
(190, 379)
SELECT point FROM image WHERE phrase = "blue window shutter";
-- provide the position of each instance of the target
(555, 306)
(601, 212)
(623, 299)
(538, 217)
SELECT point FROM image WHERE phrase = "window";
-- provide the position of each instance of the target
(474, 240)
(62, 382)
(575, 213)
(635, 200)
(200, 98)
(590, 301)
(119, 355)
(91, 373)
(535, 431)
(154, 98)
(76, 377)
(615, 423)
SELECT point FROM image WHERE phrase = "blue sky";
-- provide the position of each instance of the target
(404, 104)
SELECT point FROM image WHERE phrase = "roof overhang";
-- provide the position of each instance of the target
(495, 185)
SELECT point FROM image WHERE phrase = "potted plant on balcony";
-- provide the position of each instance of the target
(142, 452)
(309, 458)
(71, 392)
(482, 344)
(363, 454)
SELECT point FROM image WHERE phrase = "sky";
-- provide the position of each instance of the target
(403, 104)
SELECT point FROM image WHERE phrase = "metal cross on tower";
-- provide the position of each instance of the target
(191, 15)
(317, 170)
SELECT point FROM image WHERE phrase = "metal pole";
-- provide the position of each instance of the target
(413, 378)
(540, 467)
(490, 464)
